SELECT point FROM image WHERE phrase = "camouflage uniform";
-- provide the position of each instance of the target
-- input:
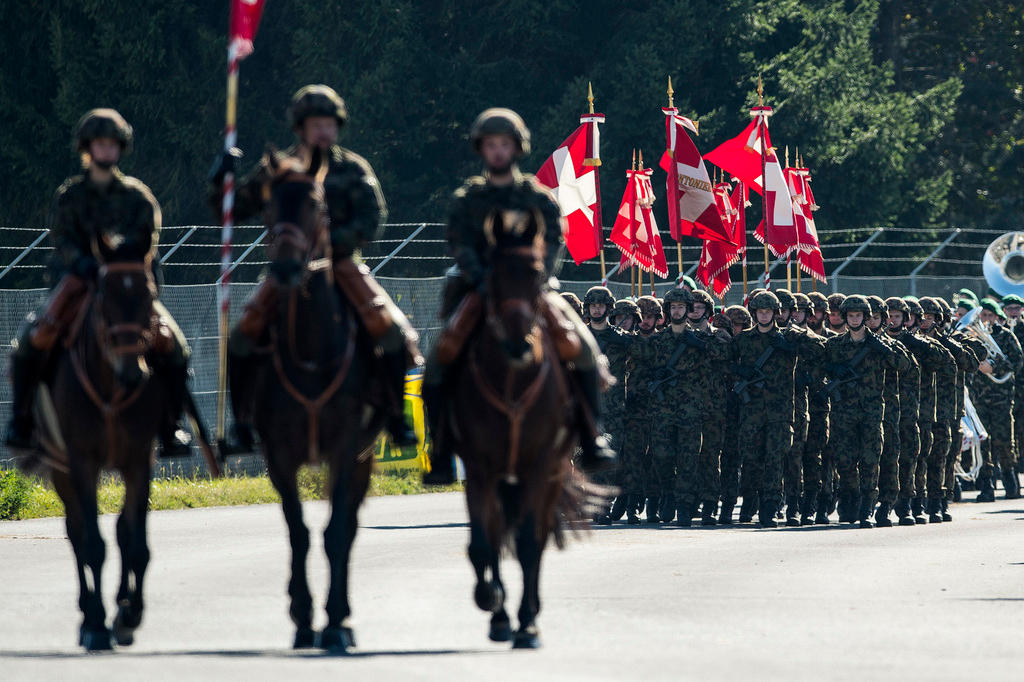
(766, 421)
(909, 389)
(857, 410)
(994, 403)
(819, 467)
(730, 458)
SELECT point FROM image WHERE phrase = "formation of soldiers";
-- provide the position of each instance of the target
(804, 405)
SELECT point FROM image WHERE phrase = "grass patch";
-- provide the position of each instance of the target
(24, 497)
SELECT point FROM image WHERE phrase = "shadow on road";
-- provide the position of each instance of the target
(423, 526)
(240, 653)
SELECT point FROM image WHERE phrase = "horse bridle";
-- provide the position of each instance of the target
(496, 310)
(108, 333)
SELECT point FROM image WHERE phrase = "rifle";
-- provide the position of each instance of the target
(845, 372)
(755, 375)
(669, 373)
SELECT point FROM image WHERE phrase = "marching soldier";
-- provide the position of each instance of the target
(100, 203)
(574, 302)
(356, 211)
(1013, 307)
(765, 361)
(638, 407)
(994, 403)
(500, 137)
(945, 406)
(835, 318)
(739, 321)
(856, 362)
(815, 433)
(909, 389)
(625, 315)
(614, 344)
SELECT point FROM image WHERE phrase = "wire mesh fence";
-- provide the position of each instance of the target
(418, 252)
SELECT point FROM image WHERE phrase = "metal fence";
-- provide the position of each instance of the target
(421, 246)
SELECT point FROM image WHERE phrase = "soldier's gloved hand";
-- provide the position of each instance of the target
(225, 163)
(694, 341)
(85, 267)
(743, 371)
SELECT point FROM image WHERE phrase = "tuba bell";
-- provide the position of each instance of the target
(971, 324)
(1003, 264)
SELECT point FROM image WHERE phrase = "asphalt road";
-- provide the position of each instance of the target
(936, 602)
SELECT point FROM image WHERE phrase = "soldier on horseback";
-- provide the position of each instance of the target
(356, 211)
(105, 205)
(500, 137)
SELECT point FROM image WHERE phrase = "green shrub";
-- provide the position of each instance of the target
(14, 492)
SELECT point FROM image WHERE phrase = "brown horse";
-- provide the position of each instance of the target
(101, 410)
(512, 417)
(311, 402)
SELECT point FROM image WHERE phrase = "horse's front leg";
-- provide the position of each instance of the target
(283, 476)
(131, 538)
(528, 550)
(78, 492)
(350, 482)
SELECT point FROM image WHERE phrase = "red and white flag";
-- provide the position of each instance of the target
(691, 207)
(809, 250)
(635, 231)
(571, 174)
(717, 257)
(245, 20)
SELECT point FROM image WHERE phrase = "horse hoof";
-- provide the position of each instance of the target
(488, 596)
(501, 630)
(526, 639)
(337, 640)
(305, 638)
(95, 640)
(124, 625)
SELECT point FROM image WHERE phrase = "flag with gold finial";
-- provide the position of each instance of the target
(635, 231)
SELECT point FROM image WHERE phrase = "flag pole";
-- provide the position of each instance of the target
(764, 182)
(597, 188)
(679, 243)
(789, 252)
(227, 208)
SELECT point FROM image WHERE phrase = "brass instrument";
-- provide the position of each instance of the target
(971, 323)
(1003, 264)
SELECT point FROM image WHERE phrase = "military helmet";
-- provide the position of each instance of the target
(649, 305)
(835, 301)
(99, 123)
(855, 303)
(819, 301)
(898, 304)
(786, 300)
(737, 314)
(877, 304)
(598, 295)
(678, 295)
(574, 301)
(764, 300)
(625, 307)
(929, 306)
(500, 121)
(701, 296)
(316, 100)
(803, 302)
(914, 306)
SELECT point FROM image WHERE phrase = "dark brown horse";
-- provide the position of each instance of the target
(512, 416)
(101, 410)
(312, 402)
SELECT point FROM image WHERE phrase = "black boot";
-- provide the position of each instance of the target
(986, 491)
(847, 513)
(1011, 484)
(667, 509)
(707, 515)
(174, 441)
(766, 516)
(792, 512)
(682, 514)
(864, 507)
(882, 519)
(902, 510)
(652, 506)
(821, 518)
(596, 455)
(402, 433)
(725, 515)
(442, 469)
(748, 508)
(243, 378)
(26, 372)
(946, 516)
(934, 510)
(632, 509)
(958, 489)
(917, 509)
(618, 508)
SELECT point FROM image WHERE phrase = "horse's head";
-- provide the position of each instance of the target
(125, 292)
(296, 214)
(515, 281)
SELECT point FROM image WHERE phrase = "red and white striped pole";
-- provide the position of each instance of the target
(227, 210)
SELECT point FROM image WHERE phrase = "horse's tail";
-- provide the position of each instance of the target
(580, 501)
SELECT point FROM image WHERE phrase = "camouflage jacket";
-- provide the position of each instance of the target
(966, 363)
(478, 201)
(83, 210)
(908, 382)
(684, 387)
(355, 203)
(774, 396)
(937, 365)
(891, 395)
(716, 367)
(989, 392)
(614, 344)
(817, 402)
(863, 395)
